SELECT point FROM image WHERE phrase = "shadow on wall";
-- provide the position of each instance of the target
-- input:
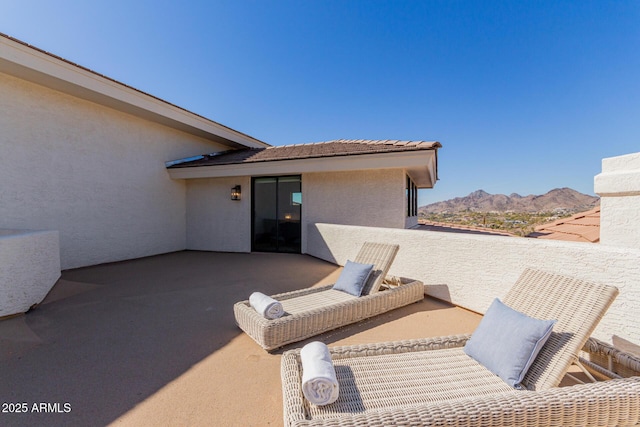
(317, 246)
(439, 291)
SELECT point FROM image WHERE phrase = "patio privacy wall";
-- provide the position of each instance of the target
(92, 173)
(471, 270)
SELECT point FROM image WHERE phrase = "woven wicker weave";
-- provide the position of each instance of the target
(316, 310)
(616, 362)
(577, 306)
(381, 255)
(433, 382)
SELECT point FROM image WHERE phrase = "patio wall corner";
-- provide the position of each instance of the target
(29, 267)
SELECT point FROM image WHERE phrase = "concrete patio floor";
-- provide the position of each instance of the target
(152, 342)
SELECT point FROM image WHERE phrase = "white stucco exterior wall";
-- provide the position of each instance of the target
(410, 221)
(373, 198)
(92, 173)
(619, 189)
(470, 270)
(29, 267)
(214, 221)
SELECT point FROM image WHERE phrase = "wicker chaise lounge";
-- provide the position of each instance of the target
(433, 381)
(312, 311)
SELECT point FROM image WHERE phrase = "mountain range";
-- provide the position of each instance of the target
(557, 199)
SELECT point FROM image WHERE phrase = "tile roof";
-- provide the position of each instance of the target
(338, 147)
(581, 227)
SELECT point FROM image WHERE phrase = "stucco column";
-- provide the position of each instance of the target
(619, 188)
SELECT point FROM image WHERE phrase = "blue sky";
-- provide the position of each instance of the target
(525, 96)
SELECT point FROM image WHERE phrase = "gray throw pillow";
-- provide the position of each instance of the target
(507, 342)
(353, 277)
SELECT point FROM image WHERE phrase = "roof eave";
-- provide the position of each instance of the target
(37, 66)
(419, 163)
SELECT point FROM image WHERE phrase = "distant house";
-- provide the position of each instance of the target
(99, 162)
(581, 227)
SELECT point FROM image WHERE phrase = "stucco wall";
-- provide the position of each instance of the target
(214, 221)
(471, 270)
(619, 188)
(373, 198)
(29, 267)
(410, 221)
(94, 174)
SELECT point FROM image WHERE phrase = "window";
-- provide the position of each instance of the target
(296, 199)
(412, 197)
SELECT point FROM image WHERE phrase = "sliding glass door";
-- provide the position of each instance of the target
(277, 206)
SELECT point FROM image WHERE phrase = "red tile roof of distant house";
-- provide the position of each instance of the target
(582, 227)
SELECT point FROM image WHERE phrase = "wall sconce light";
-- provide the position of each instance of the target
(236, 192)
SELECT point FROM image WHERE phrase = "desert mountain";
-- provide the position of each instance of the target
(481, 201)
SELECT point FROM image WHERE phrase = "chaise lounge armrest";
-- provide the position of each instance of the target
(396, 347)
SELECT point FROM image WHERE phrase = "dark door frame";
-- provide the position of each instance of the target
(253, 209)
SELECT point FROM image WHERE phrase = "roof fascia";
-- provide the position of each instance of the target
(425, 175)
(28, 63)
(419, 164)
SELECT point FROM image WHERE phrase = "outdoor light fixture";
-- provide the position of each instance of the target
(236, 192)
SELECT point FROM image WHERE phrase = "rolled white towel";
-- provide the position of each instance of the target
(319, 382)
(265, 305)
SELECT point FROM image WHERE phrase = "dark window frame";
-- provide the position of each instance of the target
(277, 195)
(412, 198)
